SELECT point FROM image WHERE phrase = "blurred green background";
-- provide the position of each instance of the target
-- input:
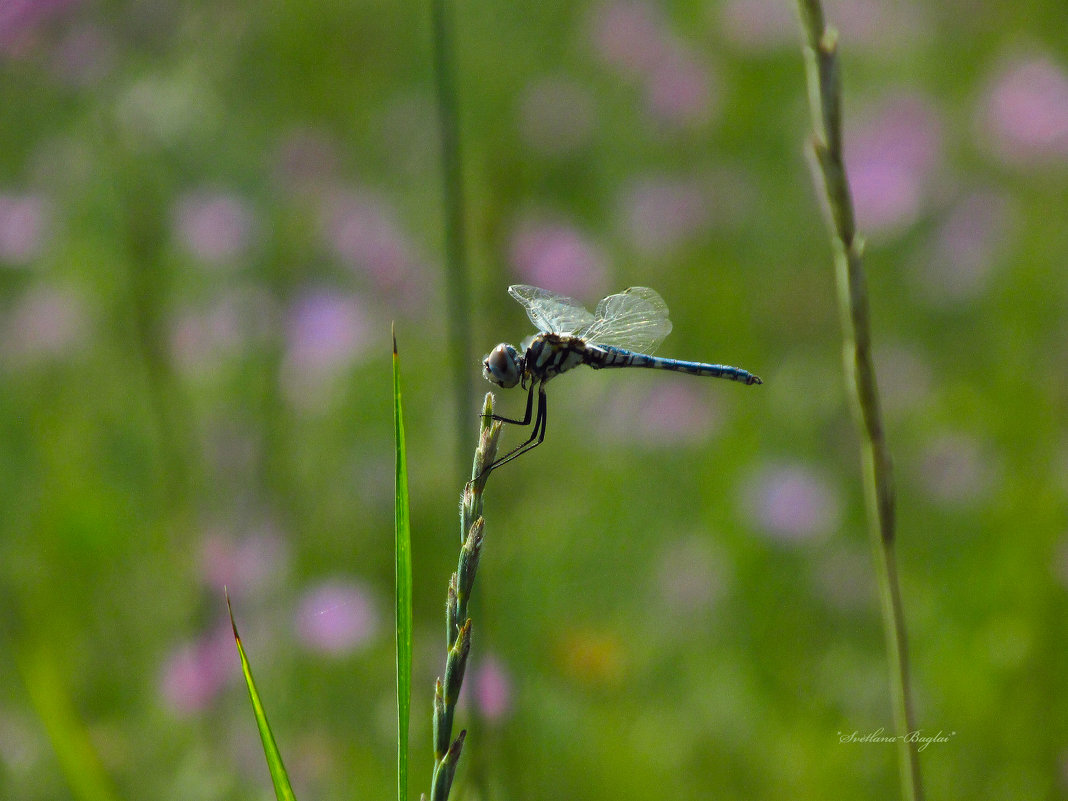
(211, 212)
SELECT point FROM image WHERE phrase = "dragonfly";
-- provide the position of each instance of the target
(624, 331)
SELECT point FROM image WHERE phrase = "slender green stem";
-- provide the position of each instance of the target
(283, 790)
(457, 623)
(403, 584)
(824, 89)
(456, 280)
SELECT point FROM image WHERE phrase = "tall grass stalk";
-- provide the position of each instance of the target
(457, 623)
(820, 46)
(283, 791)
(41, 662)
(402, 582)
(457, 305)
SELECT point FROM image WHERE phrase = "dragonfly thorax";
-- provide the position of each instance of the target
(503, 366)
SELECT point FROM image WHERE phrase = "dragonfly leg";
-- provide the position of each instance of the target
(537, 435)
(526, 416)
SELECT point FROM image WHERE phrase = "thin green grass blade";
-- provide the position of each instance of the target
(41, 666)
(403, 548)
(282, 790)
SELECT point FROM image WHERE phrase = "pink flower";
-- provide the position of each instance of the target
(46, 323)
(759, 25)
(362, 231)
(893, 154)
(629, 36)
(197, 671)
(792, 502)
(967, 248)
(1025, 112)
(661, 212)
(680, 89)
(20, 20)
(492, 686)
(671, 411)
(204, 339)
(875, 25)
(243, 564)
(558, 256)
(214, 227)
(326, 333)
(24, 224)
(634, 39)
(880, 26)
(958, 470)
(337, 617)
(692, 576)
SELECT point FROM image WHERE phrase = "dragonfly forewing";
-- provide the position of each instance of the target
(550, 312)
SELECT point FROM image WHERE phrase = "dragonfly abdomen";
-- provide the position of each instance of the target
(601, 356)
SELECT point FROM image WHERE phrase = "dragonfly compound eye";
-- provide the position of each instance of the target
(501, 366)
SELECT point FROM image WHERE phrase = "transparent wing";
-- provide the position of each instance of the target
(552, 313)
(636, 320)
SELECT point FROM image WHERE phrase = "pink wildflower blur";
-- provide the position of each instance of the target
(557, 256)
(362, 230)
(197, 671)
(958, 470)
(245, 565)
(633, 38)
(337, 617)
(967, 248)
(791, 502)
(659, 212)
(20, 21)
(692, 577)
(1024, 114)
(893, 154)
(45, 324)
(667, 413)
(629, 36)
(492, 687)
(24, 224)
(327, 332)
(205, 338)
(681, 90)
(880, 26)
(214, 227)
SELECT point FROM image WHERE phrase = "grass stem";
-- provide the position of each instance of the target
(458, 624)
(824, 89)
(457, 291)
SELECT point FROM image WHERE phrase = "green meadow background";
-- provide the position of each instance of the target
(210, 213)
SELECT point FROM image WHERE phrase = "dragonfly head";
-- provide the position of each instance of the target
(503, 366)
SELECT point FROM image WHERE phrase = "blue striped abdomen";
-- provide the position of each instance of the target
(600, 356)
